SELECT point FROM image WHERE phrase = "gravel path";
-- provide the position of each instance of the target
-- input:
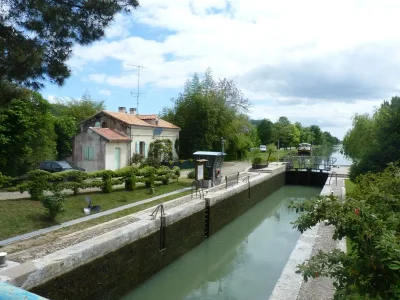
(69, 240)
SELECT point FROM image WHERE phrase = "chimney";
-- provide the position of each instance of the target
(122, 109)
(132, 111)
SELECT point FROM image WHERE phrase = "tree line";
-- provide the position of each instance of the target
(288, 134)
(209, 110)
(32, 129)
(374, 139)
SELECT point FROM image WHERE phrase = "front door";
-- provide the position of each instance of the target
(117, 158)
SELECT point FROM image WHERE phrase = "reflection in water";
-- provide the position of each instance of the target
(241, 261)
(333, 152)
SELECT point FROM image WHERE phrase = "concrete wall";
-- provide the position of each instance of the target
(110, 162)
(89, 139)
(107, 266)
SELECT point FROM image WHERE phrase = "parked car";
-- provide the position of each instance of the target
(263, 148)
(58, 166)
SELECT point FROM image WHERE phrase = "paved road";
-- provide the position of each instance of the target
(227, 168)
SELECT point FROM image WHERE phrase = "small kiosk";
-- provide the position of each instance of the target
(211, 162)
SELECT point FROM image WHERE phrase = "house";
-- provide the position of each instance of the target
(109, 139)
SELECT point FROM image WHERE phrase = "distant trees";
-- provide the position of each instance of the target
(374, 140)
(289, 134)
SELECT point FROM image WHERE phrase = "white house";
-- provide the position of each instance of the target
(109, 139)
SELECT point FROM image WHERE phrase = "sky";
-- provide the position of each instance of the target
(315, 62)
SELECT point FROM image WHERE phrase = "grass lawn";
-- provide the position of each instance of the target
(22, 216)
(349, 186)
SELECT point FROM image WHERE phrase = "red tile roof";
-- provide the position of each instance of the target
(138, 120)
(111, 135)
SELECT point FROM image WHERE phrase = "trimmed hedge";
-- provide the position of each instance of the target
(37, 182)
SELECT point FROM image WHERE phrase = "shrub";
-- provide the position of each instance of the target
(137, 158)
(37, 183)
(176, 171)
(4, 180)
(191, 174)
(257, 160)
(151, 162)
(107, 186)
(54, 205)
(130, 183)
(370, 219)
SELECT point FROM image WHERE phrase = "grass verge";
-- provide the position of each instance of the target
(22, 216)
(349, 186)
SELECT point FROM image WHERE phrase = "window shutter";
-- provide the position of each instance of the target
(145, 150)
(91, 156)
(85, 154)
(137, 147)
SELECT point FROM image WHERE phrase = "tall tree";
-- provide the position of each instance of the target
(38, 36)
(264, 129)
(26, 134)
(208, 111)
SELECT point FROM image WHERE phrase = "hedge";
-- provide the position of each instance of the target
(38, 181)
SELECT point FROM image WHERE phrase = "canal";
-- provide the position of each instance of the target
(243, 260)
(342, 160)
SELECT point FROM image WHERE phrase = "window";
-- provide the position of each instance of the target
(103, 125)
(141, 148)
(97, 124)
(88, 153)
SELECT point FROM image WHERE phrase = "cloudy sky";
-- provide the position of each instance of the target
(317, 62)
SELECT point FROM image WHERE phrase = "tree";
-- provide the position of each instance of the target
(78, 109)
(373, 142)
(370, 218)
(65, 129)
(26, 133)
(38, 36)
(264, 129)
(318, 135)
(208, 111)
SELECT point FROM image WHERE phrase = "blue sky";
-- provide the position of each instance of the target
(315, 62)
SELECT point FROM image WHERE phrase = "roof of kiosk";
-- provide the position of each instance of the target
(208, 153)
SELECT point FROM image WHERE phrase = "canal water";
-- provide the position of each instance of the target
(243, 260)
(342, 160)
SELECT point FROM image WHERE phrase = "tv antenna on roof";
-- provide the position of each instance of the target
(138, 86)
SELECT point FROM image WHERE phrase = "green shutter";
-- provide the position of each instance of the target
(145, 150)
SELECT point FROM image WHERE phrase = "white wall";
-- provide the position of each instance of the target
(110, 155)
(143, 134)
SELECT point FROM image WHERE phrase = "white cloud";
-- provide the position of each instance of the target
(105, 92)
(279, 52)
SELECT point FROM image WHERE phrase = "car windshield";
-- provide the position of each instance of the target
(64, 164)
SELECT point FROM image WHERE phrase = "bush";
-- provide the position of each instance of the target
(191, 174)
(151, 162)
(107, 186)
(37, 183)
(370, 219)
(130, 183)
(257, 160)
(176, 172)
(54, 205)
(137, 158)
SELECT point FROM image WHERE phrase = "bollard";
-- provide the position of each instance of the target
(3, 259)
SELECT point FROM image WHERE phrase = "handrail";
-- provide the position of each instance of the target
(155, 212)
(330, 177)
(226, 178)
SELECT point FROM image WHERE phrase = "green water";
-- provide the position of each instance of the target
(243, 260)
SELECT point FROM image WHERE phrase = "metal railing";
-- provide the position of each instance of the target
(197, 186)
(159, 208)
(309, 162)
(330, 177)
(233, 181)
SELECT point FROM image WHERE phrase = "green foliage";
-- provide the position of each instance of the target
(374, 141)
(130, 183)
(257, 160)
(54, 205)
(5, 181)
(208, 110)
(191, 174)
(271, 148)
(37, 47)
(137, 158)
(160, 150)
(264, 129)
(26, 134)
(151, 162)
(176, 172)
(65, 129)
(37, 183)
(107, 186)
(370, 218)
